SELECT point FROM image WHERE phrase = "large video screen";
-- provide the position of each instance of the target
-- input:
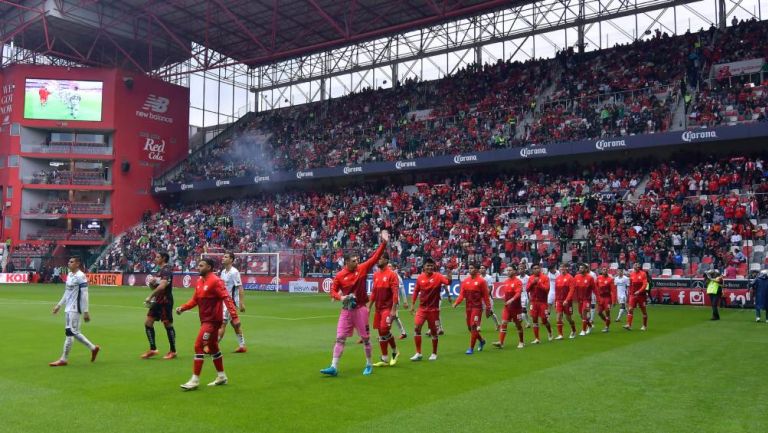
(49, 99)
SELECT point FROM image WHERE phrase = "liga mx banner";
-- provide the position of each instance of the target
(532, 151)
(692, 291)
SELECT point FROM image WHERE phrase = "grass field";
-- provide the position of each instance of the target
(56, 109)
(685, 374)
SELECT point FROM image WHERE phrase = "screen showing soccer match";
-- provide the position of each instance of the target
(49, 99)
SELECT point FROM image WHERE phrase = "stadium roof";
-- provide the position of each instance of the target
(148, 34)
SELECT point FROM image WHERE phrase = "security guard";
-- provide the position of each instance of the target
(715, 291)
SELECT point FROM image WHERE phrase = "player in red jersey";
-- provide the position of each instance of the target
(583, 288)
(43, 93)
(638, 282)
(563, 287)
(475, 290)
(606, 290)
(513, 307)
(210, 297)
(349, 287)
(538, 291)
(429, 287)
(384, 297)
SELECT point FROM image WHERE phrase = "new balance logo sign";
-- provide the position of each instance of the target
(153, 108)
(158, 104)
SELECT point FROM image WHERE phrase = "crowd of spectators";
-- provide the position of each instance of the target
(625, 90)
(686, 214)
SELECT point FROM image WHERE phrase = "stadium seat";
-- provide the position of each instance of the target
(666, 273)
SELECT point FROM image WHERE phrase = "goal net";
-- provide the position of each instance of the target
(259, 271)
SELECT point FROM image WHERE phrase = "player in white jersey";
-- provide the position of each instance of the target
(234, 285)
(552, 274)
(592, 303)
(523, 276)
(403, 300)
(622, 289)
(489, 280)
(75, 303)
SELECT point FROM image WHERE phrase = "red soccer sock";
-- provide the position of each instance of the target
(630, 316)
(645, 320)
(549, 327)
(473, 339)
(573, 325)
(520, 335)
(584, 325)
(536, 330)
(434, 345)
(392, 344)
(560, 327)
(384, 345)
(503, 334)
(219, 363)
(417, 340)
(197, 364)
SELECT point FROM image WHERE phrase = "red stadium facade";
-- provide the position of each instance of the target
(77, 166)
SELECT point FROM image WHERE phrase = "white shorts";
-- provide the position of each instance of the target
(622, 297)
(72, 322)
(226, 315)
(524, 301)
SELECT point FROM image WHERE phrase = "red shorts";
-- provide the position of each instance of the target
(512, 314)
(474, 316)
(584, 307)
(431, 317)
(382, 320)
(208, 338)
(637, 301)
(539, 309)
(603, 304)
(564, 307)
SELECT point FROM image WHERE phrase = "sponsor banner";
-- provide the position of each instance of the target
(692, 291)
(15, 278)
(302, 286)
(674, 138)
(744, 67)
(136, 279)
(105, 279)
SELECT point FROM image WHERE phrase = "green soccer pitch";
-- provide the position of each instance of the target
(56, 109)
(686, 374)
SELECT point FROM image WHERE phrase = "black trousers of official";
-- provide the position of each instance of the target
(714, 299)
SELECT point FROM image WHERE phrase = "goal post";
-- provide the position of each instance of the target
(251, 266)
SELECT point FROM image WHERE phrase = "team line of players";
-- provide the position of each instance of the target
(522, 293)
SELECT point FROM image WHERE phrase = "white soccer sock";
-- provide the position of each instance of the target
(335, 362)
(621, 313)
(195, 378)
(67, 348)
(81, 338)
(592, 315)
(220, 374)
(241, 340)
(400, 324)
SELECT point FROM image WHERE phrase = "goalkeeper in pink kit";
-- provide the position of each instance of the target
(349, 287)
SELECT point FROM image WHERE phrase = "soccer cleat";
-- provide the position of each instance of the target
(605, 330)
(416, 357)
(757, 319)
(191, 385)
(572, 335)
(360, 341)
(498, 345)
(589, 330)
(627, 327)
(381, 363)
(536, 341)
(559, 337)
(170, 355)
(95, 352)
(617, 320)
(440, 331)
(481, 346)
(403, 336)
(59, 363)
(433, 357)
(368, 370)
(469, 352)
(582, 333)
(240, 350)
(520, 345)
(643, 328)
(149, 354)
(220, 380)
(549, 337)
(393, 361)
(330, 371)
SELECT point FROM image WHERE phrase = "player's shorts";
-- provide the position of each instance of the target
(382, 320)
(225, 313)
(474, 316)
(162, 312)
(349, 320)
(72, 322)
(524, 300)
(208, 338)
(621, 297)
(431, 317)
(512, 314)
(539, 309)
(637, 301)
(584, 306)
(562, 307)
(603, 303)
